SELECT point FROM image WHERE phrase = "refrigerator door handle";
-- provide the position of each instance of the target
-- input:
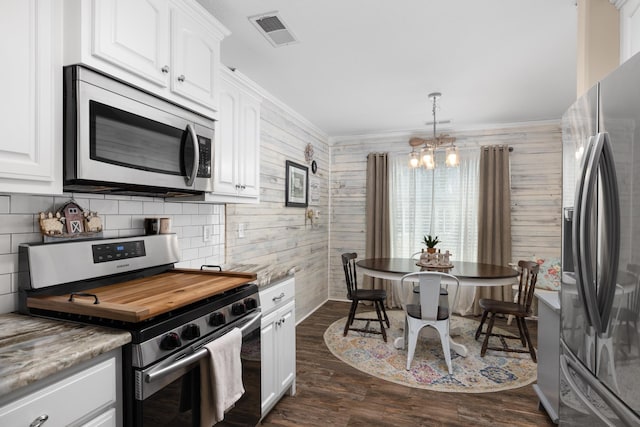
(622, 412)
(611, 232)
(579, 237)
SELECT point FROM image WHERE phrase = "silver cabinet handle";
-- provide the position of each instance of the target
(165, 69)
(39, 421)
(181, 78)
(279, 297)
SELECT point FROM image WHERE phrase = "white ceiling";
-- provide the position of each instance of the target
(367, 66)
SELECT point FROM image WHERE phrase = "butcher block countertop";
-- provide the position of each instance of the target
(33, 348)
(141, 299)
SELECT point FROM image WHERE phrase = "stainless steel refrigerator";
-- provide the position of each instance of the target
(600, 334)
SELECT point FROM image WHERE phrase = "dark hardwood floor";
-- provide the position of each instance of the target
(332, 393)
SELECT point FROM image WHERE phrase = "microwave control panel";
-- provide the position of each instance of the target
(204, 168)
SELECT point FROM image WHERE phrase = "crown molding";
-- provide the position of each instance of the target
(618, 3)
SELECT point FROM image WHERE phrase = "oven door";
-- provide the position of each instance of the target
(168, 393)
(118, 134)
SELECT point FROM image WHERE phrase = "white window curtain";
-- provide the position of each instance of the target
(441, 202)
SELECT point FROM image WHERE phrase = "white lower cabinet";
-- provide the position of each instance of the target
(85, 396)
(278, 341)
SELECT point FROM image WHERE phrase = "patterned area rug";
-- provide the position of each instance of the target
(472, 374)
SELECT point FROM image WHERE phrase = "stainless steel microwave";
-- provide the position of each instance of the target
(121, 140)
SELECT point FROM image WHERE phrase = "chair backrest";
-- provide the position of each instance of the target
(527, 283)
(634, 298)
(350, 274)
(416, 255)
(430, 283)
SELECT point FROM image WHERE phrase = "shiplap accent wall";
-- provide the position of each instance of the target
(536, 189)
(122, 216)
(279, 236)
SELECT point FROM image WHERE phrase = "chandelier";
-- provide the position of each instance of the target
(426, 156)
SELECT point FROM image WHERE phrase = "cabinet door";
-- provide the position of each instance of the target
(31, 107)
(134, 35)
(629, 29)
(286, 338)
(195, 60)
(225, 173)
(249, 147)
(269, 358)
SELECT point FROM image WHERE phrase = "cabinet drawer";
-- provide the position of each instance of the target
(276, 295)
(67, 400)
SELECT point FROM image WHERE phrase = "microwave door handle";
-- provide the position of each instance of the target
(191, 177)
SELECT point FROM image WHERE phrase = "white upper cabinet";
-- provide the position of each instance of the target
(31, 107)
(168, 47)
(236, 174)
(139, 45)
(629, 28)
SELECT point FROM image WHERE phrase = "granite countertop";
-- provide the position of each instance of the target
(266, 273)
(33, 348)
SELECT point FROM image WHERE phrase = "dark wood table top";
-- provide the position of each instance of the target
(464, 270)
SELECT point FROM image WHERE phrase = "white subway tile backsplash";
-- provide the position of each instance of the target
(104, 206)
(8, 263)
(205, 251)
(190, 208)
(5, 243)
(117, 221)
(188, 254)
(181, 220)
(5, 204)
(205, 209)
(25, 204)
(18, 238)
(130, 207)
(172, 208)
(191, 231)
(5, 284)
(8, 303)
(21, 223)
(152, 208)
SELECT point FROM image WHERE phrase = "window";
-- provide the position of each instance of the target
(442, 202)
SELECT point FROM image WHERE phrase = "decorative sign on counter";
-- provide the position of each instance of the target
(70, 221)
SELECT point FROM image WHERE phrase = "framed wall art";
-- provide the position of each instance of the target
(296, 185)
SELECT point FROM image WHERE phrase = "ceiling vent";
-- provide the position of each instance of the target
(273, 28)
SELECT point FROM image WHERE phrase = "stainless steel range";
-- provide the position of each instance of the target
(131, 284)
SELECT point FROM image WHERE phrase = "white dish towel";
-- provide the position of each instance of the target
(220, 377)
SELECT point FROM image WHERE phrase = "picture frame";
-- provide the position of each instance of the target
(296, 185)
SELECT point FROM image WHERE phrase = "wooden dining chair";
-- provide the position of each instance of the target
(519, 309)
(432, 310)
(376, 296)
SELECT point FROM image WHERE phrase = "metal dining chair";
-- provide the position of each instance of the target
(432, 310)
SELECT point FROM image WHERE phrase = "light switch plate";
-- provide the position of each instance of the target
(207, 233)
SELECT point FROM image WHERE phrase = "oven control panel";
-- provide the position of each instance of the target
(115, 251)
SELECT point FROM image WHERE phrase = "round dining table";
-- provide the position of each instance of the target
(468, 273)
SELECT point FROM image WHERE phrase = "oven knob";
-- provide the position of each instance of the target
(217, 319)
(251, 303)
(170, 341)
(191, 332)
(238, 309)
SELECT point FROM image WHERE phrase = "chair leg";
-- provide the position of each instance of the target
(382, 329)
(485, 343)
(532, 351)
(352, 314)
(443, 331)
(412, 337)
(519, 322)
(484, 317)
(384, 313)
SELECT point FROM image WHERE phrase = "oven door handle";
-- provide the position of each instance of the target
(192, 358)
